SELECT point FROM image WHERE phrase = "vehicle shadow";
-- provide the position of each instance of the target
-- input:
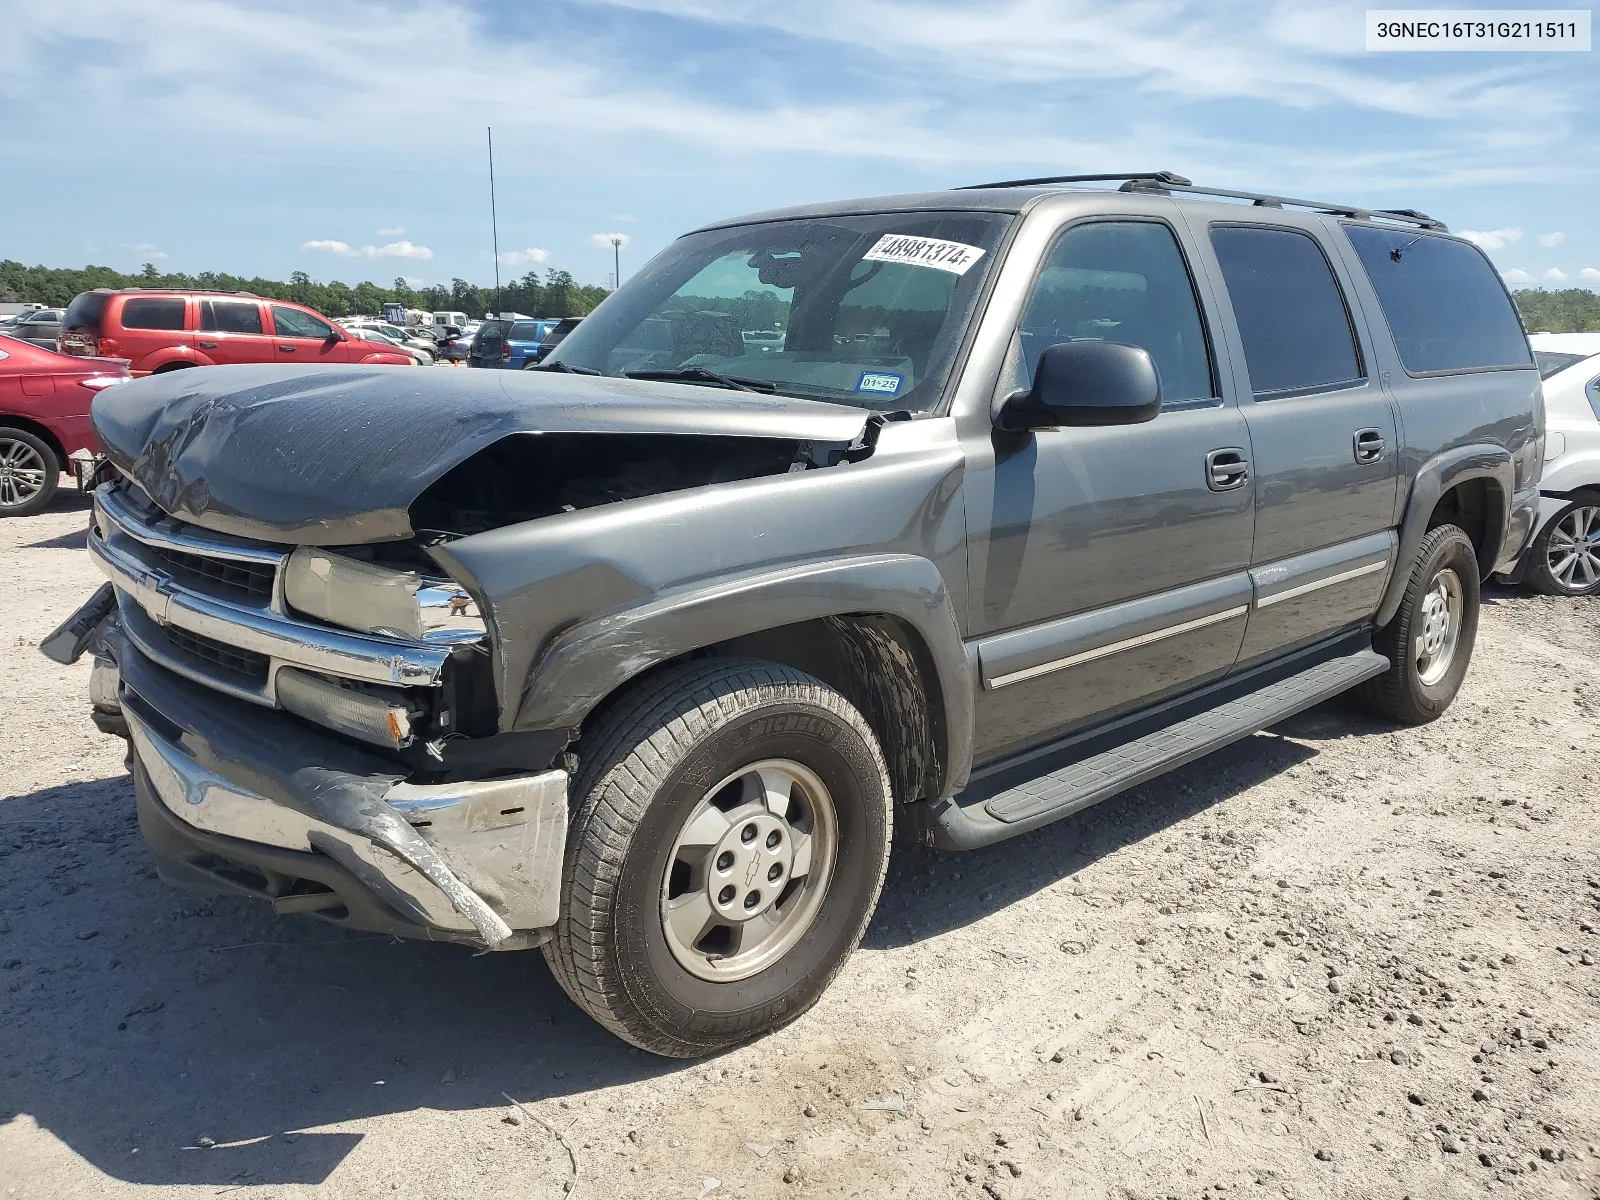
(77, 539)
(141, 1020)
(923, 896)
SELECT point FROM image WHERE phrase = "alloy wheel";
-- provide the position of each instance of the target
(1573, 549)
(22, 473)
(749, 870)
(1435, 643)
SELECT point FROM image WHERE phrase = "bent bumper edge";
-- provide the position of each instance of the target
(476, 862)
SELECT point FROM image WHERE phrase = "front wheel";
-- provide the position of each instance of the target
(1564, 559)
(1429, 642)
(729, 839)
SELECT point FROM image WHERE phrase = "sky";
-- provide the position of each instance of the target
(347, 139)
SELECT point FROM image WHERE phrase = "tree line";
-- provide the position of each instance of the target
(1570, 310)
(558, 294)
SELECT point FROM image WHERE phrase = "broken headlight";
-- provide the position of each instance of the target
(375, 599)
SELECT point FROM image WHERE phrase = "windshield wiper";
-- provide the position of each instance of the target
(567, 367)
(702, 375)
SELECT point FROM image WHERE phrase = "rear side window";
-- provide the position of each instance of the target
(524, 331)
(85, 312)
(230, 316)
(1550, 362)
(1446, 307)
(1291, 314)
(153, 313)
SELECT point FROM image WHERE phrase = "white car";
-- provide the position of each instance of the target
(1564, 558)
(424, 350)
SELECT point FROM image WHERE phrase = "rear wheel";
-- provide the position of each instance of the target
(730, 835)
(1564, 559)
(29, 472)
(1429, 642)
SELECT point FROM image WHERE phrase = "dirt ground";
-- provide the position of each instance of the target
(1337, 959)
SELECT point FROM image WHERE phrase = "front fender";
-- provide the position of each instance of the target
(1436, 477)
(588, 661)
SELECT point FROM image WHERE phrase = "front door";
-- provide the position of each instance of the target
(302, 338)
(1115, 570)
(1323, 434)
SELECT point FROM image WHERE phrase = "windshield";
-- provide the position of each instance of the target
(859, 310)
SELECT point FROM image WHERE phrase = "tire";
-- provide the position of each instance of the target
(29, 472)
(1564, 559)
(651, 768)
(1429, 657)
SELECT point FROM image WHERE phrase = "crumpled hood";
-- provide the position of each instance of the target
(336, 455)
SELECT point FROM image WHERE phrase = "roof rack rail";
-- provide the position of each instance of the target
(1168, 181)
(1161, 178)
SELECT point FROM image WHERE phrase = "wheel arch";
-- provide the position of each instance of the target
(882, 630)
(1470, 484)
(41, 431)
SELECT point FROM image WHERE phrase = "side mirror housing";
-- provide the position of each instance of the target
(1086, 383)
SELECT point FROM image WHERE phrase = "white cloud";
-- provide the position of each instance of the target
(401, 249)
(1590, 273)
(1552, 239)
(1516, 275)
(147, 251)
(604, 240)
(1556, 275)
(393, 231)
(1493, 239)
(524, 258)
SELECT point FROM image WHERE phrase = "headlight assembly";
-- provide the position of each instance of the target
(362, 596)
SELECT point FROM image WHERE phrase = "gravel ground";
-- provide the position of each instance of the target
(1337, 959)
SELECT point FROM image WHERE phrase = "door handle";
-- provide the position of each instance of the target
(287, 349)
(208, 345)
(1369, 445)
(1227, 469)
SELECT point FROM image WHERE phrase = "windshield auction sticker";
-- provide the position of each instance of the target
(1477, 29)
(955, 257)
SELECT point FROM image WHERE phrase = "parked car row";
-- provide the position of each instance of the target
(44, 419)
(516, 345)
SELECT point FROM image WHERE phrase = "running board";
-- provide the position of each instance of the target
(969, 821)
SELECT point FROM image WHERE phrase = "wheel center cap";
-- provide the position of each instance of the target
(750, 866)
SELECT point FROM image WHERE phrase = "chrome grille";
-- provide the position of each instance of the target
(250, 582)
(247, 665)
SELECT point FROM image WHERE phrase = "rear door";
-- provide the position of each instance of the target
(302, 337)
(1322, 434)
(232, 331)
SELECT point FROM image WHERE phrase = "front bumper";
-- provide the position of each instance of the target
(234, 798)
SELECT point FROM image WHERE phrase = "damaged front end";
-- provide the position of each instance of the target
(317, 710)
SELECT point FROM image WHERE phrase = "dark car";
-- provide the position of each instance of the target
(510, 345)
(553, 337)
(644, 656)
(39, 327)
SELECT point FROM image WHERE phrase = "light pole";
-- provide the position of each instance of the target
(616, 257)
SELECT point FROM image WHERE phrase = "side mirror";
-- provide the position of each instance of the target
(1086, 383)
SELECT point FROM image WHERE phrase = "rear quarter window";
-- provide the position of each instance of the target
(153, 312)
(1444, 303)
(85, 311)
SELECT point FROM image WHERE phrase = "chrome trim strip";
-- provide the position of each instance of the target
(1144, 639)
(1316, 584)
(134, 625)
(282, 639)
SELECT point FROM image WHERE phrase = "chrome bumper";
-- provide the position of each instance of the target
(479, 861)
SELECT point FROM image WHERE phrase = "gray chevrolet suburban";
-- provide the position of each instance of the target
(946, 515)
